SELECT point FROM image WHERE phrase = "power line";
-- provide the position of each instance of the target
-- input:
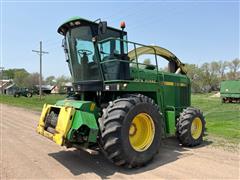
(40, 53)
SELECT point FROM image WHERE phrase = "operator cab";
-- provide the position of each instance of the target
(87, 45)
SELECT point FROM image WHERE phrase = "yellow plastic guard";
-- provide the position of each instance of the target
(64, 123)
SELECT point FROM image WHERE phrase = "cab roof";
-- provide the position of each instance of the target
(76, 21)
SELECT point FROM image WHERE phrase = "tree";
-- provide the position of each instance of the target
(20, 77)
(208, 77)
(50, 80)
(234, 66)
(9, 73)
(214, 75)
(215, 68)
(32, 80)
(62, 80)
(223, 66)
(195, 75)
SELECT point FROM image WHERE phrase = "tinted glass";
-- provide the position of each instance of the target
(82, 54)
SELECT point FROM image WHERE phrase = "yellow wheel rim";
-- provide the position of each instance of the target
(196, 128)
(141, 132)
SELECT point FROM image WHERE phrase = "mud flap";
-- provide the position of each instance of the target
(63, 122)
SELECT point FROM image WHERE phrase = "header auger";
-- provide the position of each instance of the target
(122, 105)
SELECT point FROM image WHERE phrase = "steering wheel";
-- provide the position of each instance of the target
(85, 51)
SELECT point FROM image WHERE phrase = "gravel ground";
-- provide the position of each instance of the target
(26, 154)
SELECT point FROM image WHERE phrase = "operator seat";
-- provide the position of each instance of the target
(84, 58)
(84, 66)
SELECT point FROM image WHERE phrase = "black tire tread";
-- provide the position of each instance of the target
(111, 121)
(184, 123)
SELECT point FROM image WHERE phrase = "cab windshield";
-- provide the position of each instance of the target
(83, 60)
(82, 57)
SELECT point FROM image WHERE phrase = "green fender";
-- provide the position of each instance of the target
(86, 114)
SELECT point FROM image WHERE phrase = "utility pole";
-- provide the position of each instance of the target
(40, 53)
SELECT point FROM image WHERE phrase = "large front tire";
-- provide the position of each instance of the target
(131, 131)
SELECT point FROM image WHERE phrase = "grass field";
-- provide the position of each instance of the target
(33, 103)
(223, 120)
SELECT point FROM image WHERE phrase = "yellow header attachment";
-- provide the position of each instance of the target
(64, 122)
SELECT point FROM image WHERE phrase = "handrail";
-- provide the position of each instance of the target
(112, 38)
(156, 49)
(126, 61)
(136, 60)
(136, 55)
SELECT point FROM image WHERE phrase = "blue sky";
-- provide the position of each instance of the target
(196, 32)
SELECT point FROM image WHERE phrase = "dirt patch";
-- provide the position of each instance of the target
(216, 95)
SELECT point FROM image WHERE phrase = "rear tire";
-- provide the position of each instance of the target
(190, 127)
(119, 135)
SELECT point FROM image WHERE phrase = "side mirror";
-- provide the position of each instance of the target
(102, 27)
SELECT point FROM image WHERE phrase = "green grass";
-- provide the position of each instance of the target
(33, 103)
(223, 120)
